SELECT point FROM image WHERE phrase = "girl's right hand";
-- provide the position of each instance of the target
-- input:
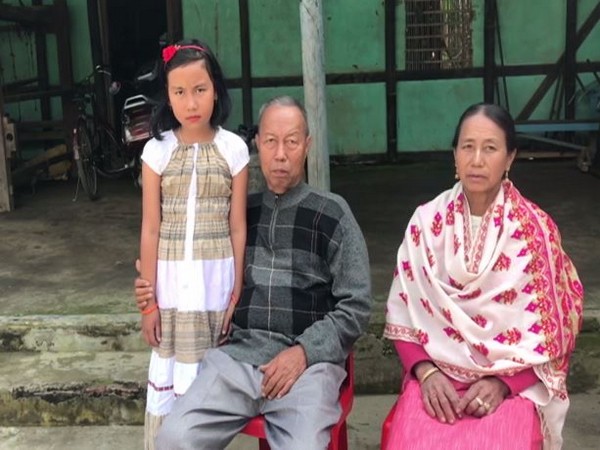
(151, 328)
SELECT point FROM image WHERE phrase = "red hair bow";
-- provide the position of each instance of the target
(169, 51)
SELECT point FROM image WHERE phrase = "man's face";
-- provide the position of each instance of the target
(282, 147)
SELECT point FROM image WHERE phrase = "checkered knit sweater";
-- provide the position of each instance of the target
(306, 279)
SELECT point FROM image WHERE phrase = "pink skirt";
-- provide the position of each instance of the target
(515, 425)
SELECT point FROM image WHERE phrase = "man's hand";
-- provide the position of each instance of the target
(281, 372)
(440, 399)
(483, 397)
(144, 292)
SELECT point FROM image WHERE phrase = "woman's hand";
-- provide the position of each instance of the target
(439, 396)
(151, 328)
(483, 397)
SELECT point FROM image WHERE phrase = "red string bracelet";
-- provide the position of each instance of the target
(150, 309)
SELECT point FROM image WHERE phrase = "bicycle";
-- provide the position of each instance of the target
(96, 148)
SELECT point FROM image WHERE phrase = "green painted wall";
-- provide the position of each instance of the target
(532, 32)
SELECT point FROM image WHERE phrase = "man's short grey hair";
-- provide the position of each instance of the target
(283, 100)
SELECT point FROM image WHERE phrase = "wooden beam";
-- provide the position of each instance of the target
(29, 94)
(391, 106)
(244, 12)
(489, 51)
(26, 15)
(541, 91)
(41, 58)
(570, 59)
(65, 64)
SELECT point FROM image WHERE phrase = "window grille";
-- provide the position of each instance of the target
(438, 34)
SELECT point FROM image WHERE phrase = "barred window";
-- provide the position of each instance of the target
(438, 34)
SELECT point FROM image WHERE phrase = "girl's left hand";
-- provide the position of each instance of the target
(483, 397)
(226, 327)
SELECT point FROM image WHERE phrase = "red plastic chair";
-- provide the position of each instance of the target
(339, 433)
(385, 428)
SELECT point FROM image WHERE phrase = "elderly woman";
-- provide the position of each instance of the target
(484, 307)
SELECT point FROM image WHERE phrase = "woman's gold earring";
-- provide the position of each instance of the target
(506, 174)
(456, 177)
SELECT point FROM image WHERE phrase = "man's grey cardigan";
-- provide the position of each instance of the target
(306, 278)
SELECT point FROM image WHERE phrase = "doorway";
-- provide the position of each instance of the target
(126, 37)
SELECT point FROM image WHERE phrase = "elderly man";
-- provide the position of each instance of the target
(306, 300)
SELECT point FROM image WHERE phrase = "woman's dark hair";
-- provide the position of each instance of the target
(496, 114)
(163, 118)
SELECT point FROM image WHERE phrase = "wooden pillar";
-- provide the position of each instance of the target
(41, 59)
(6, 196)
(246, 62)
(390, 80)
(570, 67)
(313, 71)
(65, 66)
(174, 21)
(489, 51)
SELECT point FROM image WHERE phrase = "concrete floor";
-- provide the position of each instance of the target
(60, 256)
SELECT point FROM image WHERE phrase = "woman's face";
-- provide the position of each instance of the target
(481, 159)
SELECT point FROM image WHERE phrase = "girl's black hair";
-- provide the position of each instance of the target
(496, 114)
(163, 118)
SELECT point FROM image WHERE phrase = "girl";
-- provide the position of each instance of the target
(193, 224)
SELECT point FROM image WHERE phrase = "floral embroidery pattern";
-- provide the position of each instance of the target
(507, 297)
(498, 215)
(453, 334)
(430, 257)
(460, 204)
(503, 263)
(476, 293)
(455, 284)
(450, 214)
(425, 274)
(427, 305)
(447, 314)
(479, 320)
(403, 297)
(423, 337)
(456, 244)
(511, 337)
(436, 227)
(408, 270)
(481, 348)
(415, 234)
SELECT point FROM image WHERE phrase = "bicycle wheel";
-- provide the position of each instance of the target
(113, 159)
(83, 154)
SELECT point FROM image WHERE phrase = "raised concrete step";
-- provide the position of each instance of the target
(71, 333)
(581, 430)
(78, 388)
(91, 369)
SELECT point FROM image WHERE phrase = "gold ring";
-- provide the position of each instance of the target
(486, 405)
(479, 401)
